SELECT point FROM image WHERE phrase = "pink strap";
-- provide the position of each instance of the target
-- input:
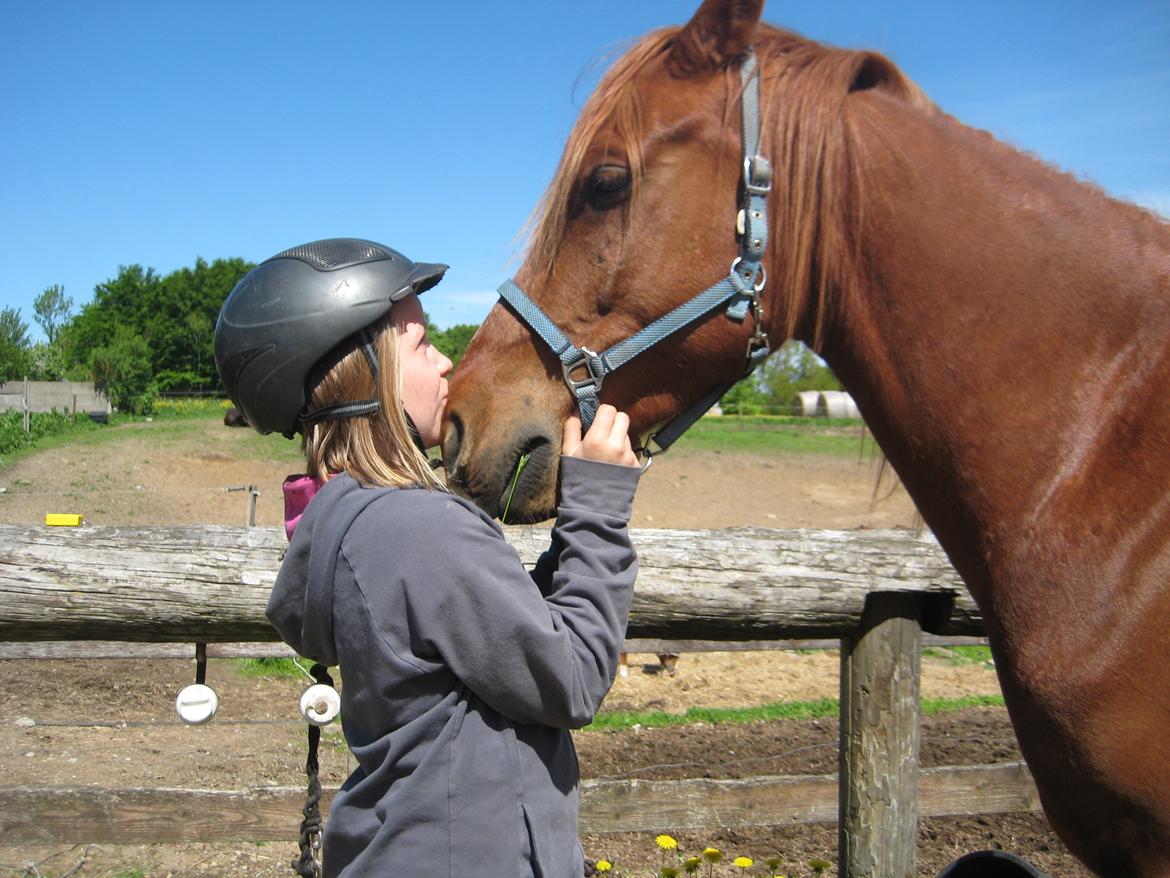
(299, 489)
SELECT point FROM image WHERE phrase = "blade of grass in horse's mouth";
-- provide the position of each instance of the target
(520, 464)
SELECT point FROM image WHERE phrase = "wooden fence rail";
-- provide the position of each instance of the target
(77, 815)
(875, 591)
(205, 583)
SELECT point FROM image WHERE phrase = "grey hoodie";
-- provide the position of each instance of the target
(461, 672)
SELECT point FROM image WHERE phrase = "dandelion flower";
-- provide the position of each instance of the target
(603, 865)
(666, 842)
(712, 855)
(818, 866)
(744, 862)
(691, 865)
(668, 872)
(774, 863)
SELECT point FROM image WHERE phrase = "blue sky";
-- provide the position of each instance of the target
(155, 133)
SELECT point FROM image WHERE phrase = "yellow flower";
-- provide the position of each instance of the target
(774, 863)
(668, 872)
(691, 865)
(744, 862)
(818, 866)
(603, 865)
(712, 855)
(666, 842)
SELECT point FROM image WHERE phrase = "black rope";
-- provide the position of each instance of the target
(309, 864)
(201, 663)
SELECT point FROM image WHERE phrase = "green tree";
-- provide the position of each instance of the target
(453, 340)
(122, 371)
(124, 302)
(14, 345)
(181, 331)
(51, 311)
(744, 398)
(175, 315)
(793, 368)
(772, 388)
(46, 362)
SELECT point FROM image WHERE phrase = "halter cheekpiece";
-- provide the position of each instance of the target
(584, 369)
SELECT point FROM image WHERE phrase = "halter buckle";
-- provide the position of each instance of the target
(757, 175)
(585, 359)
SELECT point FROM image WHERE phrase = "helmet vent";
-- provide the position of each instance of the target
(233, 367)
(336, 253)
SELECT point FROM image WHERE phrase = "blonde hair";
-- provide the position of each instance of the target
(376, 450)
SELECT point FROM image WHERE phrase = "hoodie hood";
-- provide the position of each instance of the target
(301, 605)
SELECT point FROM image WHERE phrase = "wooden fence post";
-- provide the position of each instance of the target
(878, 759)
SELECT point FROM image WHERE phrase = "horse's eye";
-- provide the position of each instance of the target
(608, 186)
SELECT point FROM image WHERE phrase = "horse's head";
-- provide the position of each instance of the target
(641, 216)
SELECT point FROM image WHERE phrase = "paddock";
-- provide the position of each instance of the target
(876, 592)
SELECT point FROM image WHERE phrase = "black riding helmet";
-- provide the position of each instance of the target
(288, 312)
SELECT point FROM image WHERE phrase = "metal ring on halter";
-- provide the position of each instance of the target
(584, 360)
(649, 455)
(759, 279)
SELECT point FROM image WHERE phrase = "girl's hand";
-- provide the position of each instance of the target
(608, 439)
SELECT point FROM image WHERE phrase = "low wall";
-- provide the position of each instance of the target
(44, 396)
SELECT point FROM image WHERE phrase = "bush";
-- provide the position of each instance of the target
(122, 371)
(41, 424)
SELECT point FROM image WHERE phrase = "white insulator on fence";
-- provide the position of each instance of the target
(320, 704)
(836, 404)
(197, 704)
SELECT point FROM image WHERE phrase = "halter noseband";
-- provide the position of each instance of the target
(585, 370)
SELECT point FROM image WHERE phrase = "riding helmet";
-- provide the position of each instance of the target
(288, 312)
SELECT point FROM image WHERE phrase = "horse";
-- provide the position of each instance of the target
(1002, 326)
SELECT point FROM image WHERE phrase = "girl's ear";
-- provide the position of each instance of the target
(720, 32)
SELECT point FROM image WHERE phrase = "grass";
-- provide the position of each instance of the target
(170, 425)
(777, 710)
(272, 667)
(770, 435)
(961, 655)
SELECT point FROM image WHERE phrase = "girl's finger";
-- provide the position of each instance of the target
(602, 421)
(621, 426)
(571, 435)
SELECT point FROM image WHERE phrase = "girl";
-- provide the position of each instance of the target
(463, 673)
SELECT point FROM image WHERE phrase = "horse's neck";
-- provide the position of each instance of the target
(1010, 348)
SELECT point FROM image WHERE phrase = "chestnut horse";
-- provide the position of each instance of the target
(1003, 327)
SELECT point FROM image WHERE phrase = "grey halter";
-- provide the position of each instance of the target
(585, 370)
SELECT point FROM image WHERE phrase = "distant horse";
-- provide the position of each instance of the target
(233, 417)
(1003, 327)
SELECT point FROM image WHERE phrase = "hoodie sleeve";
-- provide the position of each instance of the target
(545, 659)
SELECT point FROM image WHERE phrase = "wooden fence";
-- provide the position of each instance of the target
(875, 592)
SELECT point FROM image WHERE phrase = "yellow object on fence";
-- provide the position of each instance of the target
(63, 519)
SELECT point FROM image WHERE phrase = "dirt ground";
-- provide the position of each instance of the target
(73, 722)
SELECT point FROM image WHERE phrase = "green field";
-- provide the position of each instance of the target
(768, 435)
(172, 421)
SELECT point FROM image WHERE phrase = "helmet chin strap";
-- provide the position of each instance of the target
(340, 411)
(415, 435)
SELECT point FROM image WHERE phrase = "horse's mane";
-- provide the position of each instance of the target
(803, 91)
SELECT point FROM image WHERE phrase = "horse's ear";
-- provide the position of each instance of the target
(719, 32)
